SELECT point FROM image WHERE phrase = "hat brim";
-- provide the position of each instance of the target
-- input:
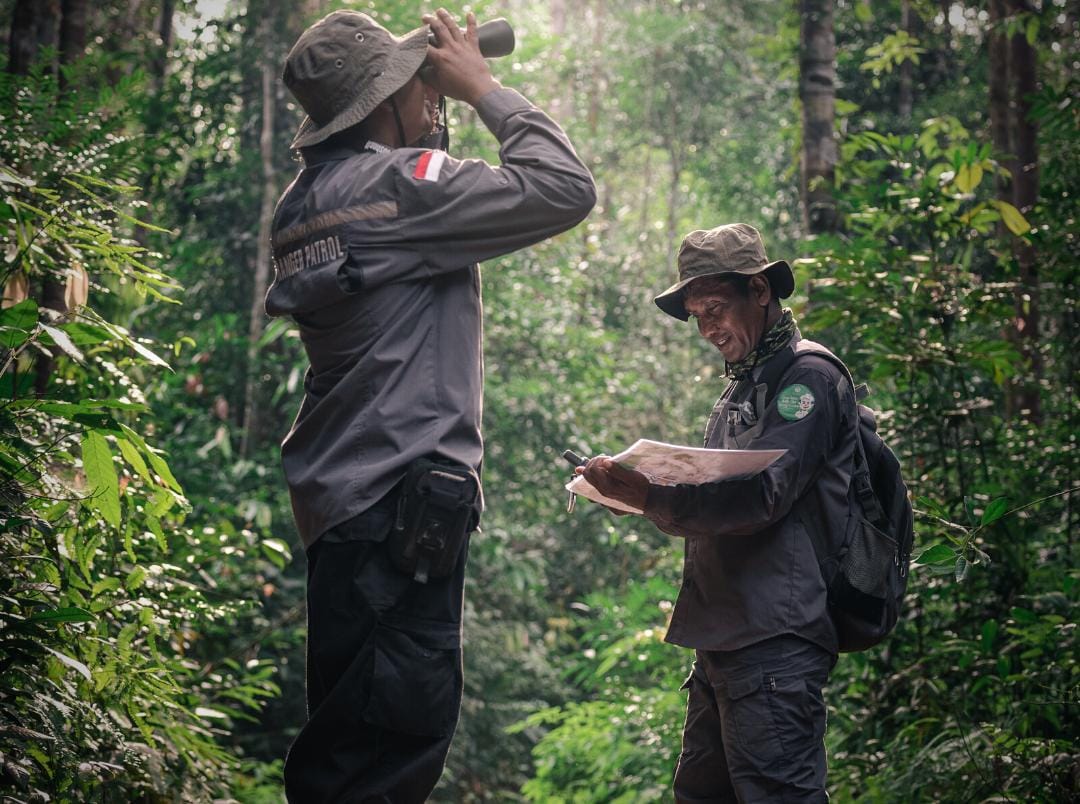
(403, 64)
(782, 281)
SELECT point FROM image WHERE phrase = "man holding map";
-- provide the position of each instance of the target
(753, 602)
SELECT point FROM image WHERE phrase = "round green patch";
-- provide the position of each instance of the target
(795, 402)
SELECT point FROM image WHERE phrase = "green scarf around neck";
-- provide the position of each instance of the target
(770, 344)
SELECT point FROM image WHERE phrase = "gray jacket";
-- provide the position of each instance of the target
(750, 571)
(375, 258)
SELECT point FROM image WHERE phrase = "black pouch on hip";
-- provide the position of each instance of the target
(436, 512)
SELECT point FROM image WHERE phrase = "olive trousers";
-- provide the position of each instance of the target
(384, 675)
(755, 725)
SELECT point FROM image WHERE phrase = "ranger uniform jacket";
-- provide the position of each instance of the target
(375, 256)
(750, 571)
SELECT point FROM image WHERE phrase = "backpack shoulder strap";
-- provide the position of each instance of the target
(860, 474)
(774, 370)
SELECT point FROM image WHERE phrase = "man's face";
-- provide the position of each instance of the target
(418, 105)
(727, 317)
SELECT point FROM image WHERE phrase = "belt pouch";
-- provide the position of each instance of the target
(436, 512)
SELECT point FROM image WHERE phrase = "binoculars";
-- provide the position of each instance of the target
(496, 38)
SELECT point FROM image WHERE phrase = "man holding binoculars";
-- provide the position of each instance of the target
(375, 248)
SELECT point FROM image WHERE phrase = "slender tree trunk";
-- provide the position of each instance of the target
(73, 19)
(558, 35)
(598, 74)
(817, 90)
(998, 83)
(159, 63)
(1025, 192)
(906, 66)
(262, 252)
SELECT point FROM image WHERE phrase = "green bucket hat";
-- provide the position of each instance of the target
(735, 248)
(345, 65)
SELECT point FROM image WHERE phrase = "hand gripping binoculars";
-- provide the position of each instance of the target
(496, 38)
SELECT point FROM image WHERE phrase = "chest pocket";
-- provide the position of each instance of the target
(737, 418)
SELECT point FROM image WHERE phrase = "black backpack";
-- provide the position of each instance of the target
(866, 567)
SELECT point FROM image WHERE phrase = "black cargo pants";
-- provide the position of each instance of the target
(755, 725)
(384, 674)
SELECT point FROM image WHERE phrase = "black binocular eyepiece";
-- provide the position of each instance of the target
(496, 38)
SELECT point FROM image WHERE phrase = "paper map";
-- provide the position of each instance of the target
(670, 464)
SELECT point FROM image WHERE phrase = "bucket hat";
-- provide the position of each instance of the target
(345, 65)
(734, 248)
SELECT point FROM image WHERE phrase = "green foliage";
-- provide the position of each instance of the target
(106, 693)
(150, 604)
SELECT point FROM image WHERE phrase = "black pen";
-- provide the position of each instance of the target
(575, 460)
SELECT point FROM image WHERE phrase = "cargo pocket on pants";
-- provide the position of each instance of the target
(769, 713)
(416, 677)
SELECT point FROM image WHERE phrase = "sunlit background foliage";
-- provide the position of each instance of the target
(151, 598)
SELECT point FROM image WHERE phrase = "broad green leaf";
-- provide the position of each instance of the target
(134, 459)
(938, 554)
(156, 461)
(162, 470)
(968, 177)
(932, 507)
(1031, 30)
(61, 339)
(277, 551)
(101, 476)
(86, 334)
(17, 322)
(70, 614)
(74, 664)
(149, 355)
(1013, 218)
(995, 510)
(1022, 615)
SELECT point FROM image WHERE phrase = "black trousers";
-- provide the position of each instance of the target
(384, 675)
(755, 725)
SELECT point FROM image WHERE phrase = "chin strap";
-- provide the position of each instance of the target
(397, 120)
(437, 139)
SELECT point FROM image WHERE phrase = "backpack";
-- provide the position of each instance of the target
(866, 567)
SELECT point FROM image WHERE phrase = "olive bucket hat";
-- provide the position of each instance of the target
(345, 65)
(734, 248)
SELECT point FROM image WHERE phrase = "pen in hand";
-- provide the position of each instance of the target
(574, 460)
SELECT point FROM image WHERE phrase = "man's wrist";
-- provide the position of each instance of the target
(481, 90)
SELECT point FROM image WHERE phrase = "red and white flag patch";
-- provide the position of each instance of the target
(429, 165)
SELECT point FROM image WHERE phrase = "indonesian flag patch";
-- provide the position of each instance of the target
(429, 165)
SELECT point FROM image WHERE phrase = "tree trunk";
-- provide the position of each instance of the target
(74, 14)
(262, 251)
(159, 63)
(558, 36)
(33, 27)
(906, 66)
(597, 88)
(1025, 192)
(817, 90)
(998, 83)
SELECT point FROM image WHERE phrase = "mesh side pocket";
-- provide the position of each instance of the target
(870, 558)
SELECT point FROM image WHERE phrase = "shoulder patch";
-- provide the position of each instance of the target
(429, 165)
(795, 402)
